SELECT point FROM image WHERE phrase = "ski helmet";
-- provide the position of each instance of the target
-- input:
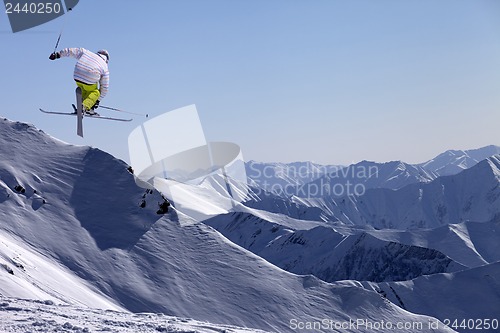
(104, 53)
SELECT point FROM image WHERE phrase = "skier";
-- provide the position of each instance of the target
(90, 69)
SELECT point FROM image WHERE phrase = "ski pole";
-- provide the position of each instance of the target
(60, 34)
(113, 109)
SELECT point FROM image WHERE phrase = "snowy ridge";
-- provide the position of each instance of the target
(472, 244)
(263, 200)
(308, 247)
(455, 161)
(331, 253)
(273, 177)
(473, 194)
(356, 179)
(78, 211)
(427, 204)
(364, 257)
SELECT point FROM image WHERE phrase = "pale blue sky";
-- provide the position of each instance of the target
(329, 81)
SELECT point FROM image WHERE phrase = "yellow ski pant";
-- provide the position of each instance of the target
(90, 94)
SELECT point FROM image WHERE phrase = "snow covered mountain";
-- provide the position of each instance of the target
(469, 249)
(305, 179)
(432, 295)
(324, 250)
(274, 203)
(472, 195)
(333, 253)
(452, 162)
(312, 180)
(76, 230)
(276, 177)
(472, 244)
(357, 178)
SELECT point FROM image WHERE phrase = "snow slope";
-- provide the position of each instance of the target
(26, 273)
(85, 234)
(23, 315)
(435, 295)
(334, 252)
(331, 253)
(471, 244)
(312, 247)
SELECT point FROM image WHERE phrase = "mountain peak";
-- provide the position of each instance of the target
(494, 163)
(454, 161)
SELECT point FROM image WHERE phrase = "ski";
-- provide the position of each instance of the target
(85, 116)
(79, 112)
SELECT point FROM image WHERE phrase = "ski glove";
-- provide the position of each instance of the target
(54, 56)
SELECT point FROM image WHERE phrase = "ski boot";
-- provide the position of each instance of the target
(89, 112)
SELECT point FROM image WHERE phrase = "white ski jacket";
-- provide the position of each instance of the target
(90, 68)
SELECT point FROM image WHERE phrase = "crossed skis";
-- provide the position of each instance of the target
(78, 112)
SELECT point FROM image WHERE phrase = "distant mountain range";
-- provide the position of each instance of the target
(471, 195)
(452, 162)
(305, 179)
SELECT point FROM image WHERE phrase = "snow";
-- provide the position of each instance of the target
(276, 177)
(303, 179)
(92, 245)
(470, 243)
(24, 315)
(332, 253)
(476, 290)
(472, 195)
(82, 248)
(455, 161)
(31, 275)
